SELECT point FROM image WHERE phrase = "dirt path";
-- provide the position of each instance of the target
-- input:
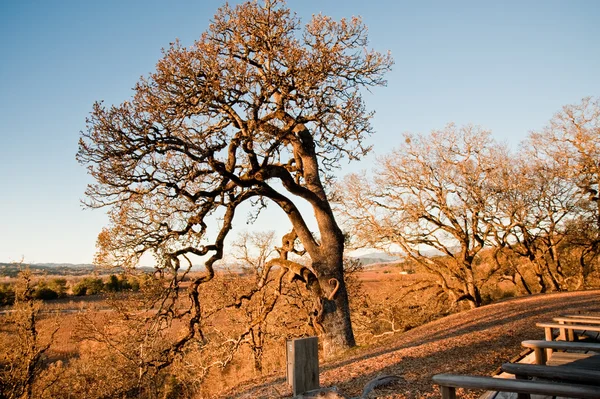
(473, 342)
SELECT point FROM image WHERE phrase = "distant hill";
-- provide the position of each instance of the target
(58, 269)
(80, 269)
(62, 265)
(383, 257)
(51, 269)
(378, 257)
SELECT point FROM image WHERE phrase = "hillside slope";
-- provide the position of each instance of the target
(474, 342)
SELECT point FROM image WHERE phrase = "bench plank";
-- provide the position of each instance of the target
(583, 316)
(587, 327)
(576, 320)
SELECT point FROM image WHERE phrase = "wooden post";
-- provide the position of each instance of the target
(548, 335)
(540, 356)
(448, 392)
(303, 364)
(522, 395)
(568, 335)
(562, 334)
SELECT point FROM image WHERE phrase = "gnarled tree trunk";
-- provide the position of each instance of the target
(335, 321)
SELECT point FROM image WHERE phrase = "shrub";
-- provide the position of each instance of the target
(22, 345)
(121, 283)
(135, 284)
(124, 283)
(45, 293)
(7, 294)
(59, 285)
(113, 284)
(88, 286)
(79, 289)
(54, 289)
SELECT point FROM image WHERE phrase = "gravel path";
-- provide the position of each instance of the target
(473, 342)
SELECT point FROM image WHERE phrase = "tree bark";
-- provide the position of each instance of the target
(337, 334)
(333, 313)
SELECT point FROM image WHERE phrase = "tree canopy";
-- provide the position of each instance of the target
(257, 109)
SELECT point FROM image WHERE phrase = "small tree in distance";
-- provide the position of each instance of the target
(432, 198)
(22, 358)
(255, 313)
(570, 143)
(253, 111)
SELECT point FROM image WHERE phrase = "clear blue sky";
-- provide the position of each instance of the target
(506, 65)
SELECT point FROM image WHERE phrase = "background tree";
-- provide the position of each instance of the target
(262, 307)
(254, 249)
(253, 111)
(22, 356)
(431, 198)
(130, 350)
(534, 202)
(571, 144)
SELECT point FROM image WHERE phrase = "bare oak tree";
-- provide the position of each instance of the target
(257, 109)
(431, 199)
(533, 203)
(570, 143)
(254, 249)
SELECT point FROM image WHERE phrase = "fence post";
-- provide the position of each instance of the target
(302, 356)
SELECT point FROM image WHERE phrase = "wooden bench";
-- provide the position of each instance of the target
(566, 330)
(542, 347)
(449, 382)
(562, 373)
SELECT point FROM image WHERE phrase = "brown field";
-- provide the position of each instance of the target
(476, 341)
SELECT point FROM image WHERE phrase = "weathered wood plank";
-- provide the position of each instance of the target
(568, 331)
(303, 364)
(518, 386)
(448, 392)
(490, 395)
(512, 395)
